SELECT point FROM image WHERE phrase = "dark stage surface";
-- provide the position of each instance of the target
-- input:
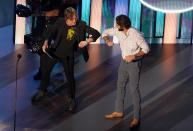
(166, 89)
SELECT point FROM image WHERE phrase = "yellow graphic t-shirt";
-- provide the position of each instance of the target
(71, 33)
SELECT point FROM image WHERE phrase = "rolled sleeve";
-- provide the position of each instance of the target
(144, 47)
(109, 32)
(142, 43)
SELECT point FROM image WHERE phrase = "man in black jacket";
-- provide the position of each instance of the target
(70, 35)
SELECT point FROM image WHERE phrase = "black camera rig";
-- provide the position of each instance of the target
(36, 9)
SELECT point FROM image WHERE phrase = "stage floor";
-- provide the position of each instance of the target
(165, 85)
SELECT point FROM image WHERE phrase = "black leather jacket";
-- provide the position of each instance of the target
(58, 28)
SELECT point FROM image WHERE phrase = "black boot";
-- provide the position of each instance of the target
(71, 104)
(38, 96)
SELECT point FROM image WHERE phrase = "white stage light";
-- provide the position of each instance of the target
(169, 6)
(20, 26)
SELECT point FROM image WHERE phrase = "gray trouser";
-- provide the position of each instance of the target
(128, 72)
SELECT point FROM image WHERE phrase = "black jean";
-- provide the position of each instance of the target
(46, 67)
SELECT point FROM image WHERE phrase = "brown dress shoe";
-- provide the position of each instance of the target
(114, 115)
(134, 124)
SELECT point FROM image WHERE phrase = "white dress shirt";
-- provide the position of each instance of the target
(130, 43)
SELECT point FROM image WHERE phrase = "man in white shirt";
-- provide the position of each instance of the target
(133, 48)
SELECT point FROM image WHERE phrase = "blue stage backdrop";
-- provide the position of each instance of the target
(150, 22)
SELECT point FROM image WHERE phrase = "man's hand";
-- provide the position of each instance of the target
(45, 45)
(107, 40)
(83, 44)
(129, 58)
(110, 43)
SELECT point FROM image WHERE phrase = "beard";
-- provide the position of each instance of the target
(120, 29)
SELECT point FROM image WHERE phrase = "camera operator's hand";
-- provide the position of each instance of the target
(45, 45)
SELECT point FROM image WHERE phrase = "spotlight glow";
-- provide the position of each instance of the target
(20, 26)
(169, 6)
